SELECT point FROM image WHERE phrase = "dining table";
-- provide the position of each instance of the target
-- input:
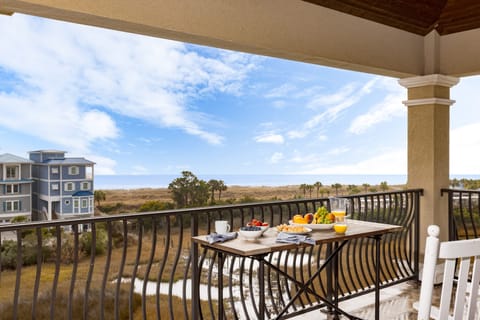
(267, 244)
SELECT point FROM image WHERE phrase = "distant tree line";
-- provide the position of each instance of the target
(467, 184)
(339, 189)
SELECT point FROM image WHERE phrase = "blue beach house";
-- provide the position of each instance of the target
(62, 187)
(15, 187)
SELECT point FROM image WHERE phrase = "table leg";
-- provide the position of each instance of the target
(261, 288)
(335, 275)
(220, 285)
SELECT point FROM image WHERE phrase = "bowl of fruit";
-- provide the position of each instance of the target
(320, 220)
(258, 223)
(250, 232)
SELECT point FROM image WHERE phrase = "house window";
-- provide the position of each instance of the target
(54, 186)
(69, 186)
(11, 206)
(73, 170)
(84, 203)
(13, 188)
(12, 172)
(85, 185)
(67, 202)
(75, 203)
(91, 202)
(54, 170)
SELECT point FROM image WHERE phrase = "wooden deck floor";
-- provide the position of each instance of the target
(395, 304)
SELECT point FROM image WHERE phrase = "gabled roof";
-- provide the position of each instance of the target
(11, 158)
(69, 161)
(47, 151)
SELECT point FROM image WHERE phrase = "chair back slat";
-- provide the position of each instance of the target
(462, 281)
(472, 299)
(461, 267)
(447, 288)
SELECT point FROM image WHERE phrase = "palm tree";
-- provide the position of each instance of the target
(99, 195)
(336, 186)
(221, 187)
(303, 187)
(366, 186)
(310, 189)
(317, 186)
(213, 185)
(384, 186)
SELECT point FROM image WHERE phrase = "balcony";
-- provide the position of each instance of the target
(140, 265)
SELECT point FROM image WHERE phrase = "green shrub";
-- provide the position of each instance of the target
(100, 245)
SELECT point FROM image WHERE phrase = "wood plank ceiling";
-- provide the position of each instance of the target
(415, 16)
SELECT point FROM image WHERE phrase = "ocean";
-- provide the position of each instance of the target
(162, 180)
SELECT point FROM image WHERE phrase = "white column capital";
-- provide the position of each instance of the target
(429, 80)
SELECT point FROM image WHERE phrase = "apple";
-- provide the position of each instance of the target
(308, 217)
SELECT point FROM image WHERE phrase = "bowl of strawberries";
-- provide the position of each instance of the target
(258, 223)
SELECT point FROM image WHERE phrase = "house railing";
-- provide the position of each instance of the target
(139, 265)
(463, 213)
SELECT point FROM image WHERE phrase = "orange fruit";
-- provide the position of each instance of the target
(298, 218)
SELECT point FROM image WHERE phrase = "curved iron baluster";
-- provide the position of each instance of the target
(74, 271)
(107, 268)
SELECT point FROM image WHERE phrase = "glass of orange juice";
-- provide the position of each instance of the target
(340, 226)
(338, 206)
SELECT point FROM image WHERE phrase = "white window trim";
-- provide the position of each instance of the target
(12, 205)
(17, 172)
(55, 186)
(54, 170)
(82, 185)
(84, 203)
(67, 184)
(72, 168)
(12, 191)
(76, 203)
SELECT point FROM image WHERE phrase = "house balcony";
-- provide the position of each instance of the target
(140, 265)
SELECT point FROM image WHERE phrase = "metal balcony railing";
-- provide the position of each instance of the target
(463, 213)
(139, 265)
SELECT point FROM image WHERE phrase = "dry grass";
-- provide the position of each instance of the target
(136, 197)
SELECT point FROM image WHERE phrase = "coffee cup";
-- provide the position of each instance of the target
(222, 226)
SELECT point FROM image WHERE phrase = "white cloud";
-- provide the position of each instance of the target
(296, 134)
(64, 87)
(465, 149)
(338, 151)
(270, 138)
(280, 92)
(276, 157)
(336, 103)
(386, 162)
(389, 108)
(103, 165)
(56, 120)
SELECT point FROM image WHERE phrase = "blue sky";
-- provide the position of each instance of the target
(141, 105)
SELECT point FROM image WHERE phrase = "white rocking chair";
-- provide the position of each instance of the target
(467, 283)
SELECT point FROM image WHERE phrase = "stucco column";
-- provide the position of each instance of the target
(429, 146)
